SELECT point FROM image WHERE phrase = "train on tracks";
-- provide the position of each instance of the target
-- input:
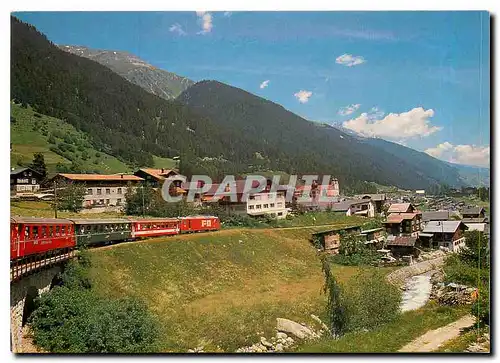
(35, 237)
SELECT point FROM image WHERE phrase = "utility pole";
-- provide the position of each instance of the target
(142, 193)
(55, 199)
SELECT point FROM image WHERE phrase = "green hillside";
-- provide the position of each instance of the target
(62, 145)
(218, 289)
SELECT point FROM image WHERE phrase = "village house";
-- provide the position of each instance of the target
(403, 224)
(447, 234)
(156, 177)
(330, 239)
(103, 190)
(474, 215)
(270, 203)
(378, 199)
(362, 207)
(257, 204)
(442, 215)
(25, 180)
(402, 245)
(401, 208)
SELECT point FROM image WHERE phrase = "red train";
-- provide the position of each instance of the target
(42, 236)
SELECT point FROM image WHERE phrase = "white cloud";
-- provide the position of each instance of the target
(303, 96)
(344, 111)
(402, 126)
(461, 154)
(375, 113)
(264, 84)
(227, 14)
(350, 60)
(177, 28)
(205, 19)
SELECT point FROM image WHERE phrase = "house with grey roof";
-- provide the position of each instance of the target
(449, 234)
(378, 199)
(442, 215)
(362, 207)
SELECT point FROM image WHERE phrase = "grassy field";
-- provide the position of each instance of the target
(45, 210)
(221, 289)
(394, 335)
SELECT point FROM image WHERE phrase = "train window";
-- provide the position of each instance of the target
(63, 230)
(35, 232)
(26, 232)
(51, 231)
(57, 230)
(89, 228)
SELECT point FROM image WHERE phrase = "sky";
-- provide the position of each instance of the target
(420, 79)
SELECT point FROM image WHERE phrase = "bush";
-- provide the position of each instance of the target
(481, 307)
(72, 318)
(354, 252)
(371, 301)
(458, 271)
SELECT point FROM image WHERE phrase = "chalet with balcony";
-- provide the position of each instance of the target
(403, 224)
(449, 234)
(156, 177)
(25, 180)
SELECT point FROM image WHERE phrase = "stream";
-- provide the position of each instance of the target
(417, 291)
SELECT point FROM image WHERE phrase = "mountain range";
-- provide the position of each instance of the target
(164, 84)
(114, 97)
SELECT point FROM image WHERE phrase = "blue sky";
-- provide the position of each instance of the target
(417, 78)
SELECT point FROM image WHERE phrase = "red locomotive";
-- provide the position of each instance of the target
(199, 224)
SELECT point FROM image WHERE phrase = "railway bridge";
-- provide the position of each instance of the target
(28, 281)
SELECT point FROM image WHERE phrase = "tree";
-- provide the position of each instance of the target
(38, 164)
(371, 301)
(70, 196)
(336, 309)
(476, 252)
(483, 193)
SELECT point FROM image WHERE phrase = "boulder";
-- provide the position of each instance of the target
(289, 326)
(265, 343)
(279, 347)
(281, 335)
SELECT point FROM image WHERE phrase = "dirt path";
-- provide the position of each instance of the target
(433, 339)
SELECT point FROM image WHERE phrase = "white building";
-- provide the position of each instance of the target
(363, 207)
(272, 204)
(102, 190)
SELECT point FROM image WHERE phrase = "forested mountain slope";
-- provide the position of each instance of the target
(122, 119)
(288, 139)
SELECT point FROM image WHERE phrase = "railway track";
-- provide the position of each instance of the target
(24, 268)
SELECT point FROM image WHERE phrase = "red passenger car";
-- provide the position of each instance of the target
(30, 236)
(142, 228)
(199, 224)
